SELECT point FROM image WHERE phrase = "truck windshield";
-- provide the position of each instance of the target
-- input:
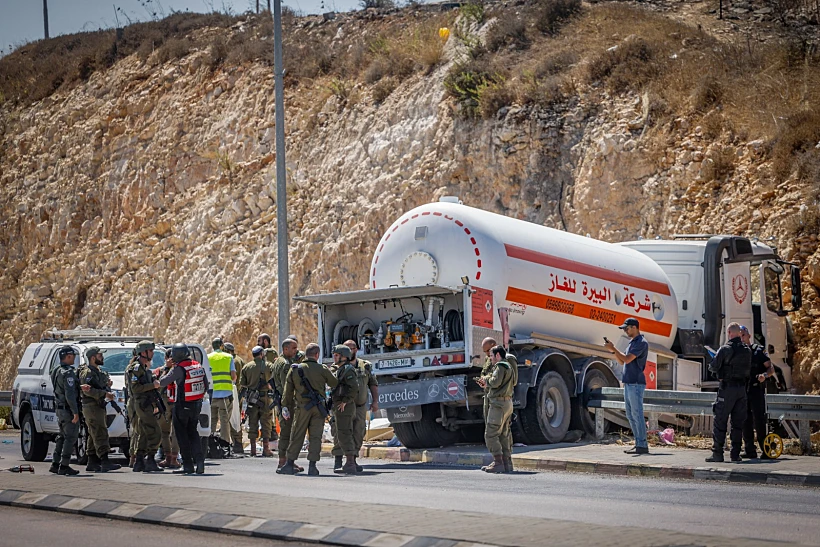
(116, 359)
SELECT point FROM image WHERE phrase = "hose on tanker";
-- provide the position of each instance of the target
(454, 323)
(348, 333)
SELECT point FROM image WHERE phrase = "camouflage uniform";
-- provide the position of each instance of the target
(94, 411)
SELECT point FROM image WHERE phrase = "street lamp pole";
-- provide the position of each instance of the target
(45, 17)
(283, 283)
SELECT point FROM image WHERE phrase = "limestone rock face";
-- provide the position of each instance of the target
(144, 199)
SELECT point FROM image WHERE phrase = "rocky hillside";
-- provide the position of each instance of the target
(138, 187)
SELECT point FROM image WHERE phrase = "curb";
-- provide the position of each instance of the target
(224, 523)
(522, 463)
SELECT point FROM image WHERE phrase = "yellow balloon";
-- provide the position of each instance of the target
(444, 33)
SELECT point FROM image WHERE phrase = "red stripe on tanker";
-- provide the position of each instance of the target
(523, 267)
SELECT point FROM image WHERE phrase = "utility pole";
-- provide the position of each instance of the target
(45, 17)
(283, 285)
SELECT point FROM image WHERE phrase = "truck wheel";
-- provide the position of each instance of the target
(407, 435)
(34, 445)
(430, 432)
(549, 408)
(583, 418)
(81, 446)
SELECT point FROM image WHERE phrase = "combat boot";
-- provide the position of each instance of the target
(253, 448)
(66, 470)
(93, 464)
(151, 465)
(496, 467)
(508, 463)
(238, 448)
(139, 463)
(349, 467)
(313, 471)
(266, 451)
(715, 458)
(337, 464)
(200, 464)
(287, 469)
(359, 468)
(55, 467)
(106, 465)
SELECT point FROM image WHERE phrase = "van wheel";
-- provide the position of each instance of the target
(582, 417)
(546, 417)
(34, 445)
(81, 446)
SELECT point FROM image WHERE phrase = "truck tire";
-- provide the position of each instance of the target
(430, 432)
(81, 446)
(546, 417)
(34, 445)
(582, 418)
(407, 435)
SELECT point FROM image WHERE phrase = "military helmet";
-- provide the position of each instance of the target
(67, 350)
(144, 345)
(344, 351)
(257, 350)
(229, 347)
(179, 352)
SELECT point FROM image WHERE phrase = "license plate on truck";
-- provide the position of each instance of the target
(396, 363)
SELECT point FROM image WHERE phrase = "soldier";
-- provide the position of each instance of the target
(66, 397)
(236, 434)
(253, 387)
(95, 385)
(507, 437)
(131, 412)
(264, 340)
(344, 406)
(280, 373)
(187, 385)
(756, 421)
(500, 389)
(305, 394)
(367, 385)
(170, 446)
(143, 387)
(223, 373)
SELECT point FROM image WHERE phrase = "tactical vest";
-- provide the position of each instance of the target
(194, 386)
(221, 370)
(739, 366)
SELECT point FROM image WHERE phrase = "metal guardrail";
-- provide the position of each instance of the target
(800, 408)
(5, 398)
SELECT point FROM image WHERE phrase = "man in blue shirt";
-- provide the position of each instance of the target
(634, 362)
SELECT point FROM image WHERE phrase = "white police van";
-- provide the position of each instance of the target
(33, 394)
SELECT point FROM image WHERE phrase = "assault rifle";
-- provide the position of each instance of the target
(316, 400)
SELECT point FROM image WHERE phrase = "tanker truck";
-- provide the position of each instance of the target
(445, 275)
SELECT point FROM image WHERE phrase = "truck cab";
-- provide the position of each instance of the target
(724, 279)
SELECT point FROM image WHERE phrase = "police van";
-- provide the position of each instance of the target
(33, 406)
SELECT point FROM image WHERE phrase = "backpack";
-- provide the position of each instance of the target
(218, 449)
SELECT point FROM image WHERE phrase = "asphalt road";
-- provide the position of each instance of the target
(34, 527)
(711, 508)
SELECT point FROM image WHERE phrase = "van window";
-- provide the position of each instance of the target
(116, 359)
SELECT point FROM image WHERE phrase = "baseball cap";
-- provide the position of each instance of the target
(92, 351)
(744, 329)
(67, 350)
(630, 322)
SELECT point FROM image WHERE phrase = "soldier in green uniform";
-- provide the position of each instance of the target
(367, 386)
(344, 406)
(264, 340)
(507, 437)
(131, 411)
(308, 405)
(67, 407)
(170, 446)
(236, 434)
(95, 386)
(144, 389)
(486, 345)
(254, 383)
(500, 389)
(281, 367)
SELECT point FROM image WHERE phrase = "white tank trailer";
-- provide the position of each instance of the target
(444, 276)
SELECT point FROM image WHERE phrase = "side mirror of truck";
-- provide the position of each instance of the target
(797, 291)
